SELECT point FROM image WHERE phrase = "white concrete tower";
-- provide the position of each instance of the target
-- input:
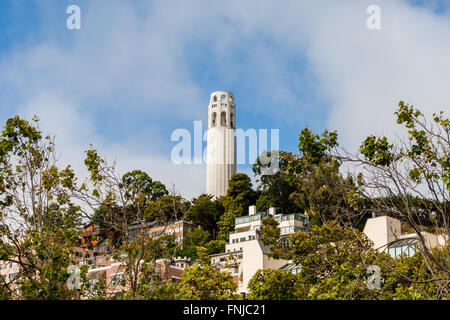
(221, 143)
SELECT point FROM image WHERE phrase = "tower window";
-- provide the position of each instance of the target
(232, 120)
(215, 98)
(213, 118)
(223, 96)
(223, 119)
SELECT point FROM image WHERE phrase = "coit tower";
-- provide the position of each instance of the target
(221, 143)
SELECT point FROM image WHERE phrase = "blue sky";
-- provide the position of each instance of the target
(139, 69)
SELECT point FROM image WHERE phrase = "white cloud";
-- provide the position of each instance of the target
(133, 63)
(367, 72)
(74, 132)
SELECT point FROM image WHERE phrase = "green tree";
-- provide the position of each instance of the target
(138, 184)
(195, 238)
(273, 285)
(38, 220)
(326, 195)
(410, 175)
(142, 278)
(116, 196)
(167, 208)
(270, 233)
(205, 282)
(140, 191)
(205, 212)
(271, 236)
(320, 189)
(334, 262)
(240, 195)
(275, 188)
(413, 279)
(215, 246)
(227, 220)
(240, 189)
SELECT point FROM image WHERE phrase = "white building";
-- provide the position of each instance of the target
(245, 254)
(385, 233)
(246, 249)
(221, 143)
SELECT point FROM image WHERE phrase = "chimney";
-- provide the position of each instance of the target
(252, 210)
(272, 211)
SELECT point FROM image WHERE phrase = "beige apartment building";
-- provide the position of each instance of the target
(113, 274)
(155, 229)
(386, 235)
(103, 267)
(245, 254)
(8, 272)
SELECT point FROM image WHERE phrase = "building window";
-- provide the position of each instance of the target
(293, 268)
(285, 242)
(296, 270)
(397, 251)
(286, 230)
(157, 233)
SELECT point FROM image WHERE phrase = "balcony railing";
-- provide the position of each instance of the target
(278, 218)
(251, 218)
(239, 231)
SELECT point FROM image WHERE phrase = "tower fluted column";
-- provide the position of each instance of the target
(221, 143)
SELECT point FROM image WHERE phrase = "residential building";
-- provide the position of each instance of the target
(386, 235)
(98, 239)
(141, 228)
(9, 271)
(113, 273)
(179, 229)
(245, 254)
